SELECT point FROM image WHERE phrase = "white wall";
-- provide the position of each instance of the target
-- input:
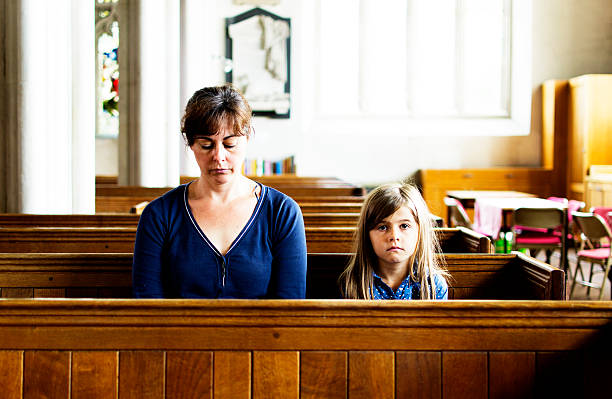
(570, 38)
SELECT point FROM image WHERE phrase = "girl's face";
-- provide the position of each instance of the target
(220, 157)
(395, 238)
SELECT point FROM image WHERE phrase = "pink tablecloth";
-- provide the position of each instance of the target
(488, 212)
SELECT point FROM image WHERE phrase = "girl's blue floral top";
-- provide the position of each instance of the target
(408, 289)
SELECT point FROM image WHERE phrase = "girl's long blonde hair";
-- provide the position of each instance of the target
(356, 281)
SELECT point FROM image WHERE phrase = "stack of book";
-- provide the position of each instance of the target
(268, 167)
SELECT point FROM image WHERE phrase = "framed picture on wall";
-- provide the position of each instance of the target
(258, 43)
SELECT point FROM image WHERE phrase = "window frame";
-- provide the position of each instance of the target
(517, 123)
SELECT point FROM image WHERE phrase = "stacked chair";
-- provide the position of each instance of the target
(595, 248)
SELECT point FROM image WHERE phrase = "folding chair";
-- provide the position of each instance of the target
(458, 215)
(604, 212)
(595, 231)
(546, 220)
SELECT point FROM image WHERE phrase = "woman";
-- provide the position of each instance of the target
(221, 235)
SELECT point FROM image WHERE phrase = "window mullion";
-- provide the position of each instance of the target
(506, 94)
(410, 59)
(459, 57)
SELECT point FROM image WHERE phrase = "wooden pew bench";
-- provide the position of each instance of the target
(339, 239)
(121, 239)
(106, 180)
(291, 190)
(474, 276)
(304, 349)
(123, 204)
(131, 220)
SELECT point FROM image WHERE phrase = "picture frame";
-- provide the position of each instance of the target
(258, 46)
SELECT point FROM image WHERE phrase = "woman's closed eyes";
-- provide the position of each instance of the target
(209, 145)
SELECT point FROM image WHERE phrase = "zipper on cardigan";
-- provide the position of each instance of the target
(223, 272)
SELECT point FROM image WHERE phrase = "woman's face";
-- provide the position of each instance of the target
(395, 238)
(220, 157)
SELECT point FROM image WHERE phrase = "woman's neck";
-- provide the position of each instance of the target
(205, 190)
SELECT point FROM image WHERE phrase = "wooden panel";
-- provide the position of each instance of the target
(17, 292)
(559, 375)
(464, 375)
(371, 375)
(46, 374)
(115, 292)
(323, 375)
(419, 375)
(232, 375)
(595, 367)
(141, 375)
(554, 130)
(189, 375)
(94, 375)
(49, 293)
(82, 293)
(276, 374)
(511, 374)
(67, 239)
(11, 374)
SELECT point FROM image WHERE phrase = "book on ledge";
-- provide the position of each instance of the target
(269, 167)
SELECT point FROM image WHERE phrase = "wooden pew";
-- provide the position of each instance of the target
(131, 220)
(121, 239)
(474, 276)
(330, 207)
(304, 349)
(72, 220)
(106, 180)
(339, 239)
(123, 204)
(67, 239)
(291, 190)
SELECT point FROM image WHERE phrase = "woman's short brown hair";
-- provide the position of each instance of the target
(210, 109)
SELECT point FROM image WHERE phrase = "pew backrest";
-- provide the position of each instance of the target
(322, 219)
(473, 276)
(290, 189)
(452, 240)
(336, 239)
(304, 349)
(124, 204)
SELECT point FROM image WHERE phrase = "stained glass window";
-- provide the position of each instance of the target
(107, 69)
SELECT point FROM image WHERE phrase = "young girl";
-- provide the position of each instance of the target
(395, 249)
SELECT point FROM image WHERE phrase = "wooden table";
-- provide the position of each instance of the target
(493, 216)
(468, 197)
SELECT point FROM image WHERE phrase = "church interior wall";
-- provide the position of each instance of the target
(570, 38)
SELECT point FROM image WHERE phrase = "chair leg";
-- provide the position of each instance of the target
(578, 267)
(590, 279)
(548, 254)
(603, 283)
